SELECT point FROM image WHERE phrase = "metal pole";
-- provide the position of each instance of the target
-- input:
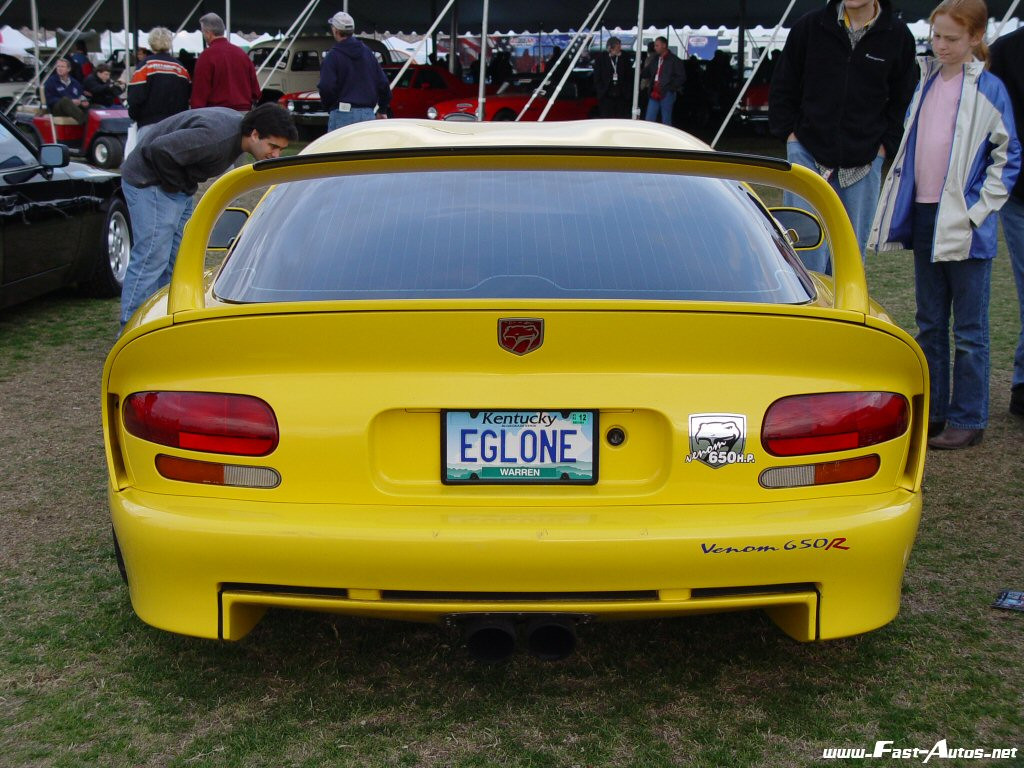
(750, 79)
(188, 16)
(422, 42)
(308, 9)
(638, 49)
(568, 70)
(1006, 18)
(547, 72)
(127, 59)
(227, 19)
(482, 90)
(35, 38)
(5, 7)
(288, 48)
(453, 40)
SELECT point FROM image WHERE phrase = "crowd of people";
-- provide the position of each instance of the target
(848, 95)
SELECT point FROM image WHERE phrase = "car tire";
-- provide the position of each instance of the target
(505, 116)
(114, 252)
(106, 152)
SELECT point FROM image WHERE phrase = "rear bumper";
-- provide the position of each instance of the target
(210, 568)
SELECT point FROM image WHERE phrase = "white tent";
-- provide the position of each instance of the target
(13, 43)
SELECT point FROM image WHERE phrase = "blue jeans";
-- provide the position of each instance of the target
(859, 199)
(662, 107)
(1012, 215)
(339, 119)
(158, 219)
(964, 287)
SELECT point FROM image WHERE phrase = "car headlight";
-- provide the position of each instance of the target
(291, 106)
(432, 113)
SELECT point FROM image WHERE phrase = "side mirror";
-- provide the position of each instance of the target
(802, 228)
(54, 156)
(227, 228)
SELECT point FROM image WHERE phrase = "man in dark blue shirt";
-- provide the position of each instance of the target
(64, 95)
(352, 82)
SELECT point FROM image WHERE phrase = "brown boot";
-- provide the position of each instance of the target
(954, 438)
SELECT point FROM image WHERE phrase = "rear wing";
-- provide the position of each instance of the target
(187, 286)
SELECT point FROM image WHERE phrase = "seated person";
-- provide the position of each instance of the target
(64, 94)
(100, 89)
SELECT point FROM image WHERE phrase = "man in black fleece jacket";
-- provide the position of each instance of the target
(1007, 60)
(838, 97)
(164, 171)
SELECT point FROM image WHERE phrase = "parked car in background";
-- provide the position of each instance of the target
(575, 102)
(753, 108)
(419, 89)
(296, 69)
(586, 378)
(61, 223)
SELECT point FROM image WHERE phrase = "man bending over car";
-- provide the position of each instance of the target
(162, 174)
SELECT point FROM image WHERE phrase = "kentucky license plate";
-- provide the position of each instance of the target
(546, 447)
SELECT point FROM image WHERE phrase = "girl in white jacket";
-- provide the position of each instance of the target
(955, 166)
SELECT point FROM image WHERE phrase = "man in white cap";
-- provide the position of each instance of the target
(351, 80)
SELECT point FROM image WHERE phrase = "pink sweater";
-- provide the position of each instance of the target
(935, 137)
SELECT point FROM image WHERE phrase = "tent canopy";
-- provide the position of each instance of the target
(416, 15)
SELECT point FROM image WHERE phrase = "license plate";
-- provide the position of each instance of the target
(539, 447)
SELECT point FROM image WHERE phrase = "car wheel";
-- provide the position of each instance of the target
(505, 115)
(106, 152)
(115, 249)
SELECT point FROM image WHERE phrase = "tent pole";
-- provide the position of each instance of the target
(1006, 18)
(422, 42)
(482, 90)
(750, 79)
(188, 16)
(453, 39)
(568, 70)
(5, 7)
(284, 56)
(36, 83)
(127, 76)
(61, 49)
(547, 72)
(638, 49)
(308, 9)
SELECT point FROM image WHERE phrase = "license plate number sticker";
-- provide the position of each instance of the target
(508, 447)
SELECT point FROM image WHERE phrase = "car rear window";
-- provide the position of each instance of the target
(512, 234)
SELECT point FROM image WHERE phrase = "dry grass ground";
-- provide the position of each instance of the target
(84, 683)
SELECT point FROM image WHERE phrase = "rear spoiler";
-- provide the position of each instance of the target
(187, 288)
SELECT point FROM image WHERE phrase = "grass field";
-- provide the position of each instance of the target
(83, 682)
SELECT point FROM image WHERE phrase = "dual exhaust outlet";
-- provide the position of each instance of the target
(493, 639)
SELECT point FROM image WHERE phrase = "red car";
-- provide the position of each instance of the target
(419, 88)
(575, 102)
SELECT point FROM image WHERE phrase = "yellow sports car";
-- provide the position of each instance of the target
(515, 376)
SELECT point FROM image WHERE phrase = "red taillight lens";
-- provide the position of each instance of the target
(834, 421)
(203, 421)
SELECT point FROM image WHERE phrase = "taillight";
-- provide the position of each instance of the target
(834, 421)
(203, 421)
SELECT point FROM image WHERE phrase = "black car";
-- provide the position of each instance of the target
(61, 223)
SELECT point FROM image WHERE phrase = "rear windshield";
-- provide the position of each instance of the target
(512, 234)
